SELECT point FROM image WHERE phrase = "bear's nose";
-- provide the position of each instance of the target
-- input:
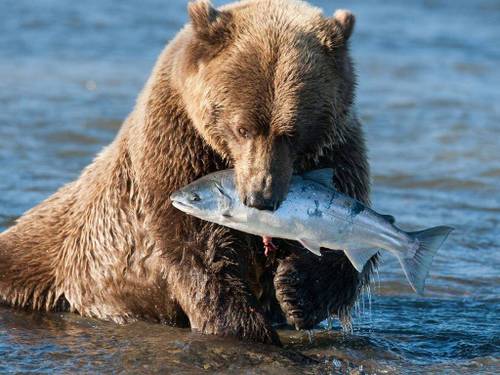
(257, 200)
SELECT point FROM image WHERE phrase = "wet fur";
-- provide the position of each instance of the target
(111, 246)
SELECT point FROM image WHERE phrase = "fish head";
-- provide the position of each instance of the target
(207, 198)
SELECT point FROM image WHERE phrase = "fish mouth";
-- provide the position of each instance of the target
(186, 208)
(180, 205)
(178, 199)
(177, 204)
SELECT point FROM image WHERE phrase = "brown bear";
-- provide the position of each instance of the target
(264, 86)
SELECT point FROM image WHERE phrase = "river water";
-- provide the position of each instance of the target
(429, 98)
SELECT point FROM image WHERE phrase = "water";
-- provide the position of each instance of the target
(428, 96)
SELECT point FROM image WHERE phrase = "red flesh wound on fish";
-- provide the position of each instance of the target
(269, 247)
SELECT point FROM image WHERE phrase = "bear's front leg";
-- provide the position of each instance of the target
(207, 277)
(310, 288)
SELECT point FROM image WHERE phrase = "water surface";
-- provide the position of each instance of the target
(428, 96)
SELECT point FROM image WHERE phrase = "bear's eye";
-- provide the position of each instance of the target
(243, 133)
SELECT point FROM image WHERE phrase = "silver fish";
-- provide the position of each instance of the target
(316, 215)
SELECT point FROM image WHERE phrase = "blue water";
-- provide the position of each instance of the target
(429, 98)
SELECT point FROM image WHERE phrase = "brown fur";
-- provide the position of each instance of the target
(264, 86)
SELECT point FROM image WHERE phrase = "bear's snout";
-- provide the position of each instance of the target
(264, 197)
(266, 189)
(263, 172)
(257, 200)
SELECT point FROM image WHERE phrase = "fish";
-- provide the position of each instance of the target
(316, 215)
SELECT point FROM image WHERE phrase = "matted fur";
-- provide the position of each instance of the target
(111, 246)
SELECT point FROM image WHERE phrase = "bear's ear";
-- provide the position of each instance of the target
(338, 29)
(346, 20)
(209, 24)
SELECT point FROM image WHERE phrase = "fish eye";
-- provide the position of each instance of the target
(194, 197)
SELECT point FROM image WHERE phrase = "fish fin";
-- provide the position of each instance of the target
(417, 267)
(389, 218)
(321, 176)
(359, 257)
(311, 245)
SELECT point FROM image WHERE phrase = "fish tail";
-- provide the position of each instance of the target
(428, 242)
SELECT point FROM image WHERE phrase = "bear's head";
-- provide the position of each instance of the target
(265, 83)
